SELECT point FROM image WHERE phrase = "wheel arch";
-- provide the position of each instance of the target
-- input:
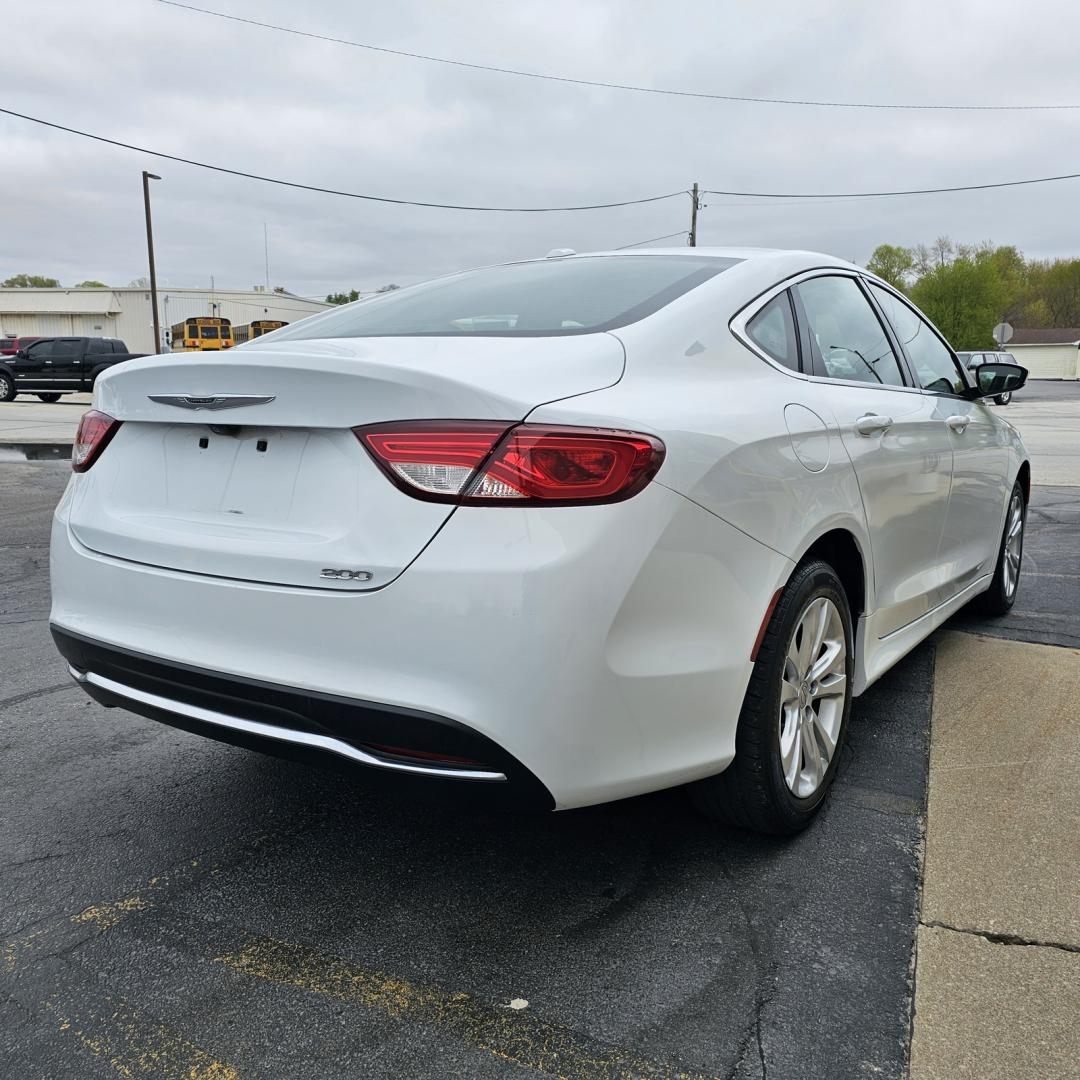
(1023, 478)
(95, 372)
(840, 548)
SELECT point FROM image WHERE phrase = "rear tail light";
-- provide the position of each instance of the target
(490, 464)
(96, 429)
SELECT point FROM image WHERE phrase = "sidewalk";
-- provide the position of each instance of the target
(997, 979)
(29, 421)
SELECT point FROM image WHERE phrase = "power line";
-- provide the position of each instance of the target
(890, 194)
(612, 85)
(668, 236)
(534, 209)
(332, 191)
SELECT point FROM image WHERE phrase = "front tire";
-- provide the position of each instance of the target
(1000, 597)
(1003, 399)
(49, 398)
(7, 387)
(795, 713)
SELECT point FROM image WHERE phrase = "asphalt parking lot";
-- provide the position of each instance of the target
(174, 907)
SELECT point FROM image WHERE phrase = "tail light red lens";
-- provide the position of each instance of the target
(96, 429)
(485, 464)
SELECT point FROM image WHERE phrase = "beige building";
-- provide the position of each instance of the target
(1048, 354)
(126, 313)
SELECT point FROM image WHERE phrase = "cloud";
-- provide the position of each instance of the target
(342, 117)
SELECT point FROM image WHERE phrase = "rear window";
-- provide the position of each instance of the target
(534, 299)
(7, 343)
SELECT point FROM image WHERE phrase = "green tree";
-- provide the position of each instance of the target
(892, 264)
(965, 298)
(343, 298)
(91, 284)
(1055, 287)
(30, 281)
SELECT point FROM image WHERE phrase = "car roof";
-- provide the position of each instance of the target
(781, 262)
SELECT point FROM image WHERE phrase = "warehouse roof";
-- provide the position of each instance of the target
(59, 301)
(1062, 335)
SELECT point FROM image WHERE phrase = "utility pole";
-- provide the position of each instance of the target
(266, 256)
(146, 178)
(695, 203)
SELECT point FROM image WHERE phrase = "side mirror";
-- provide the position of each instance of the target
(994, 379)
(22, 354)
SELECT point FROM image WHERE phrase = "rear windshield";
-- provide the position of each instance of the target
(7, 343)
(534, 299)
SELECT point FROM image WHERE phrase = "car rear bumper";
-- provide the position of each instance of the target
(595, 653)
(304, 725)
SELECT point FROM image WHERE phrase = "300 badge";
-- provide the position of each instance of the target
(346, 575)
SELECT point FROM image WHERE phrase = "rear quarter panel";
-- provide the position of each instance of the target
(756, 446)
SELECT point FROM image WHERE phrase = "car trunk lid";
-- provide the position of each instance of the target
(243, 465)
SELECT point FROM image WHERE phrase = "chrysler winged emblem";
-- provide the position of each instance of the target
(211, 401)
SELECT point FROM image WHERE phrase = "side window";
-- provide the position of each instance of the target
(98, 345)
(40, 349)
(68, 347)
(850, 339)
(935, 368)
(773, 329)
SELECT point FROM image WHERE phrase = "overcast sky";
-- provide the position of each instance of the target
(347, 118)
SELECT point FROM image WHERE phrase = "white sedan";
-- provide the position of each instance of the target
(555, 532)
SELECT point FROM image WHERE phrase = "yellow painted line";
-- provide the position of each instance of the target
(106, 916)
(506, 1031)
(136, 1046)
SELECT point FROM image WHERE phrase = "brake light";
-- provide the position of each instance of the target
(484, 464)
(96, 429)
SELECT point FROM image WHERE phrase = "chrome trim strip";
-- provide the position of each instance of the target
(268, 731)
(737, 325)
(214, 402)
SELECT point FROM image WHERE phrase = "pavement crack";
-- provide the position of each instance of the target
(1001, 939)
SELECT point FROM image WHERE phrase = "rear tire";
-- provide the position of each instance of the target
(1000, 597)
(50, 398)
(7, 387)
(796, 705)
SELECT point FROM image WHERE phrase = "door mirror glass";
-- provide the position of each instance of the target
(994, 379)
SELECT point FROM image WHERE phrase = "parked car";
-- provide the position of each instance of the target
(50, 367)
(973, 360)
(9, 346)
(560, 531)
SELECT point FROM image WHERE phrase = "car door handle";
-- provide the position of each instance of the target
(873, 424)
(958, 423)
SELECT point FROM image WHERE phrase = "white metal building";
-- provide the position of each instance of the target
(1048, 353)
(126, 313)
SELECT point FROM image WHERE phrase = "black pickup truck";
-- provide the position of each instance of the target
(53, 366)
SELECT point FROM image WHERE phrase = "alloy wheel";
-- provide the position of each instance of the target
(1014, 544)
(813, 696)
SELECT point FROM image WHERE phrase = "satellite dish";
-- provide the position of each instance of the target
(1003, 333)
(558, 253)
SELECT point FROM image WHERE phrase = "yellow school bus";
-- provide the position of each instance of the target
(256, 329)
(200, 334)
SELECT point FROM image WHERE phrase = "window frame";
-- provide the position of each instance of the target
(801, 354)
(902, 365)
(737, 325)
(966, 376)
